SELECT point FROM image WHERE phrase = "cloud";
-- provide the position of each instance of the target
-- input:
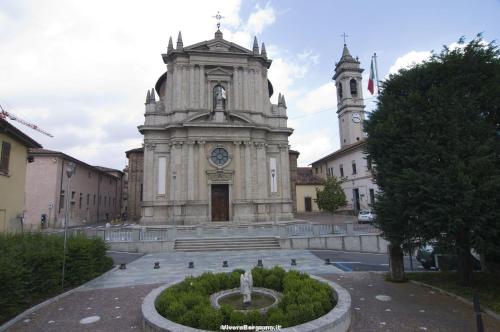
(408, 60)
(312, 145)
(319, 99)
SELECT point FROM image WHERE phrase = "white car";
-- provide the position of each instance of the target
(366, 216)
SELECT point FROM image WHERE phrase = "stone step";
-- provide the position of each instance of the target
(214, 244)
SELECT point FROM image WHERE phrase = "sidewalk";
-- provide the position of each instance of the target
(410, 307)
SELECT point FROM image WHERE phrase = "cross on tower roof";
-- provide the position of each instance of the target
(345, 36)
(218, 17)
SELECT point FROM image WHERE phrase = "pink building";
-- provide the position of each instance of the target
(95, 192)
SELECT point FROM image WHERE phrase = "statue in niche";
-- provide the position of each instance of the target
(219, 98)
(246, 285)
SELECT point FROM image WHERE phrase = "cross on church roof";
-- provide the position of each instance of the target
(218, 17)
(345, 36)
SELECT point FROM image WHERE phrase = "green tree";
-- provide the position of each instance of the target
(332, 197)
(435, 140)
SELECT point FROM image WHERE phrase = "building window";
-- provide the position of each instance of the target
(354, 87)
(141, 192)
(372, 196)
(88, 199)
(94, 199)
(105, 200)
(316, 169)
(354, 167)
(369, 163)
(5, 157)
(73, 195)
(219, 156)
(341, 168)
(80, 201)
(61, 200)
(339, 88)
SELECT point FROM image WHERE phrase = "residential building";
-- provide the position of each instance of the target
(95, 191)
(307, 184)
(135, 183)
(14, 145)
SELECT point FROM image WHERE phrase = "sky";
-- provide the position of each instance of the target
(81, 69)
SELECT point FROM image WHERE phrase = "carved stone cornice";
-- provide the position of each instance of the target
(150, 146)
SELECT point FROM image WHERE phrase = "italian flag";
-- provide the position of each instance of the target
(371, 86)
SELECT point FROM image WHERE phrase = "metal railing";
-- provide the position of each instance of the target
(170, 233)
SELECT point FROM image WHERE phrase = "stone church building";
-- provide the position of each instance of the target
(216, 149)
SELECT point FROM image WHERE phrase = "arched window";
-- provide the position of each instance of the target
(340, 90)
(354, 87)
(219, 97)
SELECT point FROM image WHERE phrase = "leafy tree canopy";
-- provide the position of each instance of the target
(332, 197)
(435, 140)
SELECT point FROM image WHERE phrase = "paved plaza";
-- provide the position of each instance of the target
(112, 302)
(174, 265)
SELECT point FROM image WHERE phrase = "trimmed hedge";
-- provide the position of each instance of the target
(188, 303)
(31, 267)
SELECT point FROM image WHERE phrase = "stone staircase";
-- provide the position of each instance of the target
(234, 243)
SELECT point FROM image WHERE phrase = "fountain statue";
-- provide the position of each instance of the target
(246, 284)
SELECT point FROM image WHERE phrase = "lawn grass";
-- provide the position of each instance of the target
(487, 286)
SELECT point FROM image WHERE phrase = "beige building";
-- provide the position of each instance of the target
(14, 145)
(350, 162)
(216, 149)
(95, 192)
(307, 183)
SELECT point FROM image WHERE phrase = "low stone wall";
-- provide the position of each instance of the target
(337, 320)
(371, 243)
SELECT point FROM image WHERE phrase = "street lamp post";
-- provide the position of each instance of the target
(70, 170)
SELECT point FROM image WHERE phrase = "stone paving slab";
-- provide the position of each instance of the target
(174, 265)
(403, 307)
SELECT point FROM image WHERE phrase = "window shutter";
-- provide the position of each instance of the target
(4, 161)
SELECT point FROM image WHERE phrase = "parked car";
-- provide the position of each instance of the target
(426, 255)
(366, 216)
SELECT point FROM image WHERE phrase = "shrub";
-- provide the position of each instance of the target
(188, 303)
(31, 267)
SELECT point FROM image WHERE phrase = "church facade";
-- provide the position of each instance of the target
(215, 147)
(350, 162)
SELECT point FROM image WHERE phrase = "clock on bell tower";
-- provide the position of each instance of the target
(350, 104)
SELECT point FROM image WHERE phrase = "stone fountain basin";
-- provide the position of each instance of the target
(216, 297)
(337, 320)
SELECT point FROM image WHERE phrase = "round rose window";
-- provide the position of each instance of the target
(219, 156)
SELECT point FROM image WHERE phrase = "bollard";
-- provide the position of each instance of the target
(294, 262)
(123, 266)
(477, 310)
(327, 261)
(191, 265)
(157, 265)
(224, 264)
(259, 263)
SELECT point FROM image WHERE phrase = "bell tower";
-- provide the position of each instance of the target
(350, 104)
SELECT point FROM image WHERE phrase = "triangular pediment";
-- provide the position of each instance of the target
(219, 71)
(218, 45)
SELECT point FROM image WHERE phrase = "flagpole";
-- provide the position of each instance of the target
(376, 72)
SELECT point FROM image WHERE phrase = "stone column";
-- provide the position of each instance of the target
(191, 87)
(248, 171)
(202, 181)
(237, 170)
(285, 171)
(245, 89)
(203, 104)
(190, 171)
(236, 89)
(262, 176)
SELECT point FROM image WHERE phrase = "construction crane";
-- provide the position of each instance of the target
(4, 114)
